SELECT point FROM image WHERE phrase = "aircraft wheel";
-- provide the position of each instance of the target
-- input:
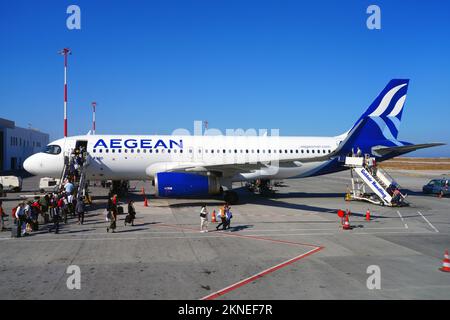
(231, 197)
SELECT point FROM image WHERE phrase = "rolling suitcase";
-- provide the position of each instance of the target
(15, 230)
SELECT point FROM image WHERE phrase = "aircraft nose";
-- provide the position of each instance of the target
(30, 165)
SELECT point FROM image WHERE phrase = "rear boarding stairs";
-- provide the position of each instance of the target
(364, 173)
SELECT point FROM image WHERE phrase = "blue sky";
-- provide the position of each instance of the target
(305, 67)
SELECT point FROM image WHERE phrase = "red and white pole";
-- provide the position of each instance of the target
(94, 104)
(65, 52)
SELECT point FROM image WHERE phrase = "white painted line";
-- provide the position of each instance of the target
(34, 239)
(428, 222)
(403, 220)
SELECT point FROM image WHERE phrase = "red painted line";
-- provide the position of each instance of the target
(259, 275)
(244, 236)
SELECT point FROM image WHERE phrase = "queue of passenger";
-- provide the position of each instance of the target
(54, 207)
(76, 161)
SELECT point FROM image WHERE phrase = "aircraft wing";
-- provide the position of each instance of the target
(230, 169)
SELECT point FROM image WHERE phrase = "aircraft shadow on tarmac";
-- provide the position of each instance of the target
(131, 230)
(240, 227)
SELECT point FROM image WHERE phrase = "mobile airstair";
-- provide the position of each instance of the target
(82, 183)
(64, 172)
(366, 175)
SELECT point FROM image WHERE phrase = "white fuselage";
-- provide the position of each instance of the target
(136, 157)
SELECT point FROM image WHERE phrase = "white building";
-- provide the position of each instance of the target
(16, 144)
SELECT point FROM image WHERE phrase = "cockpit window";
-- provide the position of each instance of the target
(53, 149)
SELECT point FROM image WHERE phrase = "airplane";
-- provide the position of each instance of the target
(183, 166)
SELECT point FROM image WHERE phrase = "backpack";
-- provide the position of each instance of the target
(13, 212)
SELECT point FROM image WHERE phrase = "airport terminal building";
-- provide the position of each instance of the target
(16, 144)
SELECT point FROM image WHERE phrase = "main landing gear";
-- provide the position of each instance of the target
(231, 197)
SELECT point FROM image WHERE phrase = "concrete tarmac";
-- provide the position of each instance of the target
(286, 246)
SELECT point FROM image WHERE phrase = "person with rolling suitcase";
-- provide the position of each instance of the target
(112, 215)
(131, 213)
(80, 209)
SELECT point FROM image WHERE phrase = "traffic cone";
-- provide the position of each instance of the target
(346, 225)
(368, 215)
(145, 202)
(445, 263)
(213, 216)
(349, 213)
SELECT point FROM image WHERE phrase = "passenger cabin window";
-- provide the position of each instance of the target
(53, 149)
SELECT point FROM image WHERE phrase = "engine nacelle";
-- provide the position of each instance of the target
(178, 184)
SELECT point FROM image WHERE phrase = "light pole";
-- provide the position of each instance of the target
(65, 52)
(94, 104)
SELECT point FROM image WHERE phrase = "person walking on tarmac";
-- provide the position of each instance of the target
(228, 216)
(131, 213)
(112, 213)
(2, 216)
(223, 217)
(203, 219)
(80, 209)
(56, 217)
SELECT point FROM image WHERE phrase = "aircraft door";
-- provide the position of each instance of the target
(81, 144)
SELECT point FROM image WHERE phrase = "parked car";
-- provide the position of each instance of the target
(47, 184)
(436, 186)
(11, 183)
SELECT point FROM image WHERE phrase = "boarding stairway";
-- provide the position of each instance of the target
(82, 183)
(64, 172)
(364, 172)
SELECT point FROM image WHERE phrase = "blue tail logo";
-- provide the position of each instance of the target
(383, 117)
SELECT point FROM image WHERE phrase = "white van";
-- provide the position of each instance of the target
(47, 184)
(11, 183)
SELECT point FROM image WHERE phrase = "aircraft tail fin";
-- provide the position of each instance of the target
(380, 123)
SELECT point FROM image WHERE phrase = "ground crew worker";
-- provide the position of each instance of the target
(358, 152)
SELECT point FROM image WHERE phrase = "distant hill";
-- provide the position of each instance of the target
(417, 163)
